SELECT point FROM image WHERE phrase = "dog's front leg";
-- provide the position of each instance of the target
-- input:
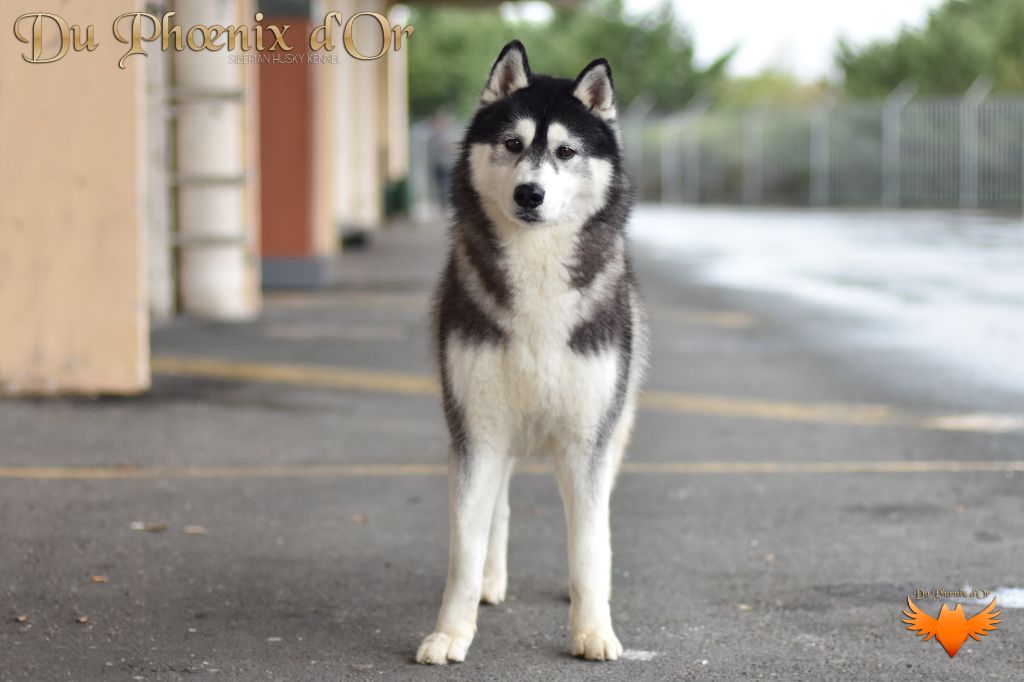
(496, 567)
(474, 478)
(586, 486)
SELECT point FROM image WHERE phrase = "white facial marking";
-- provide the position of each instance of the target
(525, 129)
(593, 198)
(558, 135)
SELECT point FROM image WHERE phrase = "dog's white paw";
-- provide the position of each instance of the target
(596, 646)
(494, 589)
(440, 647)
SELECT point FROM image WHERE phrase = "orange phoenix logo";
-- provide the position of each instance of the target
(952, 628)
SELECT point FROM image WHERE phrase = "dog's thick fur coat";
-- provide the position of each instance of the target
(540, 336)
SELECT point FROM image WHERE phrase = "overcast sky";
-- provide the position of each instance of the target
(796, 35)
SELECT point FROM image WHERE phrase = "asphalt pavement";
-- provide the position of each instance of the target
(275, 508)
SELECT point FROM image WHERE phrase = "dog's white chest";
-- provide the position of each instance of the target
(527, 391)
(534, 381)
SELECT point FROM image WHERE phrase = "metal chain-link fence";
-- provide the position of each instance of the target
(926, 152)
(912, 152)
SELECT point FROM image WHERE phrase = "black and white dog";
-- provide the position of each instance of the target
(540, 336)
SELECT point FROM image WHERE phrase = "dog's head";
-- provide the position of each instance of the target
(543, 150)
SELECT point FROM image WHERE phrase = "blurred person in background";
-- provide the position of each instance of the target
(441, 151)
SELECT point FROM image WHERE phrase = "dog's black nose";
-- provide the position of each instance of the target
(530, 195)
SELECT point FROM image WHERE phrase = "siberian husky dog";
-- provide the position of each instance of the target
(540, 336)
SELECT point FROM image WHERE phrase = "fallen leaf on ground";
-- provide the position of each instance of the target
(195, 530)
(149, 527)
(98, 579)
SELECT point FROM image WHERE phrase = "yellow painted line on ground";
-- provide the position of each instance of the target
(241, 471)
(420, 303)
(347, 379)
(836, 413)
(390, 470)
(376, 331)
(411, 302)
(339, 378)
(722, 319)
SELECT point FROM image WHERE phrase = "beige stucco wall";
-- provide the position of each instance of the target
(73, 303)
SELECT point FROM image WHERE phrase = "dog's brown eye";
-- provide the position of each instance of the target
(565, 152)
(514, 145)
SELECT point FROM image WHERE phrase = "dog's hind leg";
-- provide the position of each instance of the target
(474, 478)
(496, 566)
(585, 481)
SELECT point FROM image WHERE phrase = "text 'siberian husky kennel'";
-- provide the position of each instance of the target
(540, 336)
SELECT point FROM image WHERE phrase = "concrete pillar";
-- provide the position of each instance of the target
(73, 300)
(397, 105)
(216, 174)
(325, 241)
(361, 123)
(159, 155)
(368, 97)
(344, 135)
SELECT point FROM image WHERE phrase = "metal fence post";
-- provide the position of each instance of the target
(752, 134)
(691, 120)
(641, 156)
(691, 160)
(969, 141)
(632, 122)
(1021, 187)
(820, 156)
(670, 139)
(894, 103)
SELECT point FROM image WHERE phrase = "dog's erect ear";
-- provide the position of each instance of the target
(594, 88)
(510, 72)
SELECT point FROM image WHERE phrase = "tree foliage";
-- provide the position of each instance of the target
(962, 40)
(769, 88)
(654, 55)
